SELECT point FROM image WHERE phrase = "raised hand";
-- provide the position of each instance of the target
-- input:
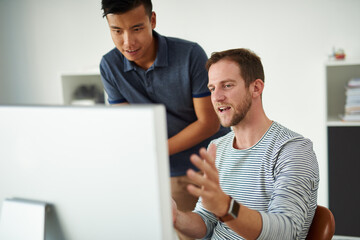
(206, 181)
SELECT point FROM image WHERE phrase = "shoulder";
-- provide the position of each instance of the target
(110, 61)
(282, 142)
(223, 141)
(179, 41)
(114, 55)
(182, 45)
(281, 135)
(293, 147)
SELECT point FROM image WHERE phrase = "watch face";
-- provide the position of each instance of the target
(234, 209)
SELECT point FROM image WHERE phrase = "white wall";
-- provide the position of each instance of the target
(42, 38)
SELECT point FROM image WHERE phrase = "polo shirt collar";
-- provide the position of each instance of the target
(162, 52)
(161, 59)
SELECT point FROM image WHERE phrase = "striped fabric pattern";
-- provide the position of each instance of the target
(278, 177)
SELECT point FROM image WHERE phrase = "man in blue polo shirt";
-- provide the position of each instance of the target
(146, 67)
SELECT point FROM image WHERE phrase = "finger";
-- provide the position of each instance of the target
(206, 195)
(209, 155)
(196, 177)
(200, 163)
(193, 190)
(212, 151)
(201, 181)
(209, 170)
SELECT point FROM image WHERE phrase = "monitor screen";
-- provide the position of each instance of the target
(104, 170)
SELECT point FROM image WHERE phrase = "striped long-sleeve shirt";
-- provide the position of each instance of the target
(278, 177)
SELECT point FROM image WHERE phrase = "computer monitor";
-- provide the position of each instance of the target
(104, 170)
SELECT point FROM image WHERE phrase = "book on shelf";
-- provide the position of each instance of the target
(354, 82)
(352, 100)
(350, 117)
(352, 91)
(352, 103)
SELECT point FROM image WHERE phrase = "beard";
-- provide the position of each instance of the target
(241, 111)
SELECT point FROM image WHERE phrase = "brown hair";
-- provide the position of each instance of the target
(249, 63)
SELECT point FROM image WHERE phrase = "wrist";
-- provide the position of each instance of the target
(224, 207)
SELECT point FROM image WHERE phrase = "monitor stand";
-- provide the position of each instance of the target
(23, 219)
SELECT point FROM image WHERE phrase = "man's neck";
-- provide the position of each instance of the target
(249, 131)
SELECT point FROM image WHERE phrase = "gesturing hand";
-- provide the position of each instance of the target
(207, 181)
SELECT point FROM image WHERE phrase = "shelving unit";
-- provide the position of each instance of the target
(343, 142)
(71, 81)
(338, 73)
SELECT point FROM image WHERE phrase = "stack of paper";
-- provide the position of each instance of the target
(352, 105)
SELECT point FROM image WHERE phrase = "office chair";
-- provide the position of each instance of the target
(323, 225)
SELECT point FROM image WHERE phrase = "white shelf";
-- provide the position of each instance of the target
(334, 62)
(339, 123)
(70, 81)
(83, 72)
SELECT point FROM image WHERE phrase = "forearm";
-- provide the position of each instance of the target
(248, 224)
(206, 125)
(190, 224)
(193, 134)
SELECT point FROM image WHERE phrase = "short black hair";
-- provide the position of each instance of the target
(123, 6)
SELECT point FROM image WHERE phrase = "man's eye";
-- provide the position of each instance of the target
(137, 29)
(211, 89)
(227, 85)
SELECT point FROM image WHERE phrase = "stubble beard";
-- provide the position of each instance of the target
(240, 112)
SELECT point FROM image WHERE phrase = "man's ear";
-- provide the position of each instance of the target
(258, 87)
(153, 20)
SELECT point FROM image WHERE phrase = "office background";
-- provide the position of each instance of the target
(40, 39)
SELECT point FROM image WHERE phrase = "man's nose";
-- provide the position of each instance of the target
(217, 95)
(128, 39)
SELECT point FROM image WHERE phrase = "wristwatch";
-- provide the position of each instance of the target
(233, 211)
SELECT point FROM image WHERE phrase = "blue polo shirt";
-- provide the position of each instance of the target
(177, 76)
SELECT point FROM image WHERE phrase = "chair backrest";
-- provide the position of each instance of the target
(323, 225)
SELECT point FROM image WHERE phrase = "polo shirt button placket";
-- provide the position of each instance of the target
(148, 81)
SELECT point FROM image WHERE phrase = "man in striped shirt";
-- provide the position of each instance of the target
(260, 180)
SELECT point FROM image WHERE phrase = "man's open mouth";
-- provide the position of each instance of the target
(222, 109)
